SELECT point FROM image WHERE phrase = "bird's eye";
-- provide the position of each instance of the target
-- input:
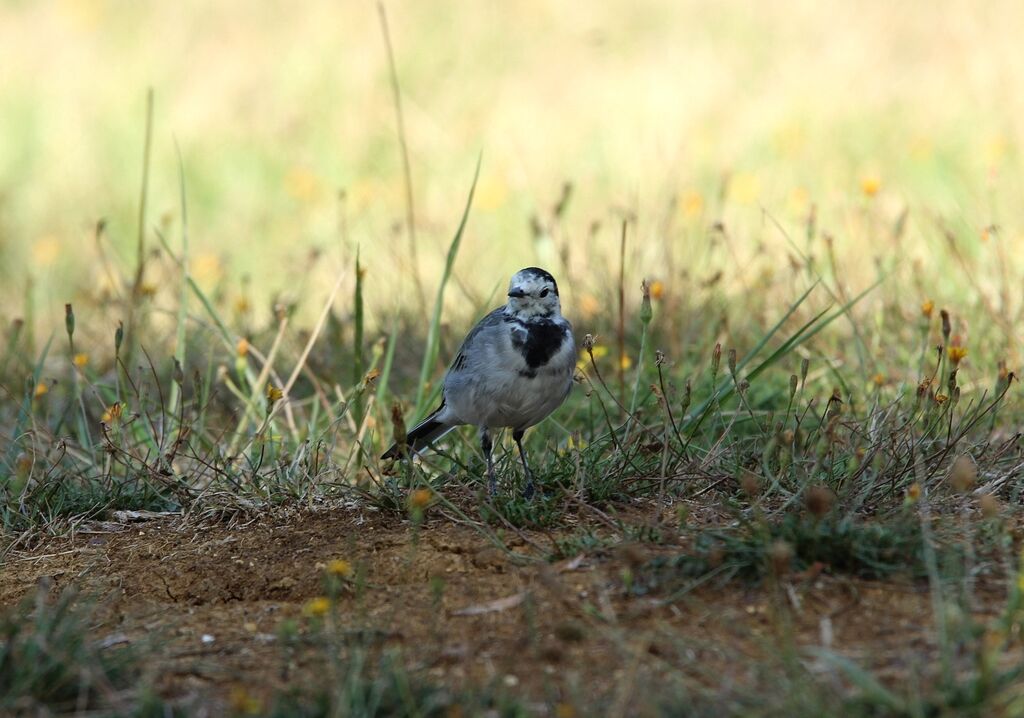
(544, 293)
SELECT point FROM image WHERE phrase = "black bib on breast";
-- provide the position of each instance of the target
(537, 341)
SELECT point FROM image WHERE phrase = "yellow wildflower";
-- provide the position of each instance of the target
(80, 360)
(927, 307)
(491, 193)
(799, 200)
(302, 184)
(657, 289)
(625, 362)
(995, 149)
(913, 493)
(957, 353)
(878, 379)
(576, 442)
(744, 188)
(317, 607)
(112, 414)
(242, 348)
(41, 389)
(339, 567)
(243, 703)
(274, 394)
(870, 184)
(206, 268)
(691, 203)
(565, 710)
(45, 251)
(420, 498)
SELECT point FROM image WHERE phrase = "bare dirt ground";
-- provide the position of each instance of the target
(213, 596)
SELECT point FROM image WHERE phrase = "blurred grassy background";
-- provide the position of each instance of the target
(678, 114)
(758, 150)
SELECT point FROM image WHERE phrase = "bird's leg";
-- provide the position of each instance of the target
(529, 490)
(487, 445)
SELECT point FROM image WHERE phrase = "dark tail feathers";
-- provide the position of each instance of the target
(422, 435)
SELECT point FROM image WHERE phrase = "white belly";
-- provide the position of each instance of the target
(510, 400)
(501, 392)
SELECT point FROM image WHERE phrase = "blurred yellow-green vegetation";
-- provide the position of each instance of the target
(788, 235)
(675, 114)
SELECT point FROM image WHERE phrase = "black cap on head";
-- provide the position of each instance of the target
(540, 274)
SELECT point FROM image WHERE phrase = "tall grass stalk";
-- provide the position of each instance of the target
(358, 368)
(182, 318)
(140, 241)
(77, 377)
(434, 329)
(646, 314)
(410, 212)
(301, 363)
(389, 360)
(621, 329)
(18, 434)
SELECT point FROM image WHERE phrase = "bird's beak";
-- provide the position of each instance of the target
(516, 292)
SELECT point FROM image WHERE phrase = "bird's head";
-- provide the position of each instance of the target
(533, 294)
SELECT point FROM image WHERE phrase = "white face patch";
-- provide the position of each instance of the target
(532, 294)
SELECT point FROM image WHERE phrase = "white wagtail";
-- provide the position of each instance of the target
(514, 368)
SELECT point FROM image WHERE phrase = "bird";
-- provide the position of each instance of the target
(514, 368)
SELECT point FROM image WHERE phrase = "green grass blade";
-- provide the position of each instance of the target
(12, 344)
(846, 307)
(389, 360)
(358, 361)
(867, 683)
(808, 330)
(726, 386)
(25, 412)
(181, 334)
(433, 332)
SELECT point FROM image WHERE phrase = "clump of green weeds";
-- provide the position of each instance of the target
(359, 686)
(354, 676)
(51, 660)
(843, 545)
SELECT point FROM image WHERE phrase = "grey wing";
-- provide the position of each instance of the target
(480, 370)
(464, 357)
